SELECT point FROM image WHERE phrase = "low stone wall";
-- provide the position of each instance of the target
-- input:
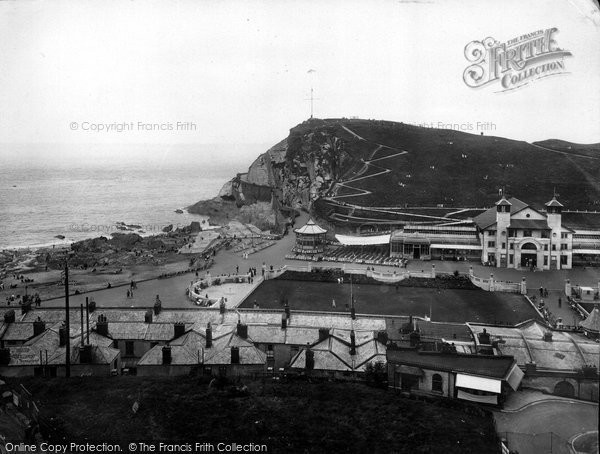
(362, 276)
(492, 285)
(195, 288)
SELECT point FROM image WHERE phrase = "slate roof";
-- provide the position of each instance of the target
(488, 366)
(18, 331)
(488, 217)
(592, 322)
(576, 220)
(529, 224)
(333, 353)
(525, 341)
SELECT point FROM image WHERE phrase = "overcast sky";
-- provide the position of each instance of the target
(239, 70)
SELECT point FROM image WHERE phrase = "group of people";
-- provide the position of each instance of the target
(132, 287)
(33, 299)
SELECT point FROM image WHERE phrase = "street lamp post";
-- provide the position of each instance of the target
(68, 329)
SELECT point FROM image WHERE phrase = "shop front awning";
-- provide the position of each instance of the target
(515, 377)
(488, 399)
(465, 247)
(410, 370)
(348, 240)
(479, 383)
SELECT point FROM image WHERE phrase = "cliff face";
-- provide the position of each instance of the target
(290, 175)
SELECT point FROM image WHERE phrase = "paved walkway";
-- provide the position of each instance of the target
(172, 290)
(545, 426)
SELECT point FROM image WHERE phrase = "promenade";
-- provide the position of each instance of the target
(171, 291)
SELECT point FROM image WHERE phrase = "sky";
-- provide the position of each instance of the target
(240, 72)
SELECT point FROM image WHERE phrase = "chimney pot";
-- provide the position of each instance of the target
(235, 355)
(166, 354)
(208, 336)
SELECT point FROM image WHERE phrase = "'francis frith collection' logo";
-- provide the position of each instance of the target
(514, 63)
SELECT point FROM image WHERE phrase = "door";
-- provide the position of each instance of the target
(417, 252)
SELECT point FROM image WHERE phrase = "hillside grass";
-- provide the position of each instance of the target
(525, 171)
(292, 417)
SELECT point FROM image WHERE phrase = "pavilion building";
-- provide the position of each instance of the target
(310, 239)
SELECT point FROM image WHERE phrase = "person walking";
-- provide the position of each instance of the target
(333, 304)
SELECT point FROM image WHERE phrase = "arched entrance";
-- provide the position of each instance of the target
(528, 255)
(564, 389)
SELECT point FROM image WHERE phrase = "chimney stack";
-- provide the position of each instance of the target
(286, 308)
(323, 334)
(85, 354)
(166, 355)
(548, 336)
(92, 305)
(9, 316)
(179, 329)
(62, 335)
(484, 337)
(102, 325)
(4, 356)
(208, 335)
(157, 307)
(352, 343)
(353, 313)
(242, 330)
(148, 316)
(382, 337)
(283, 321)
(415, 339)
(235, 355)
(38, 327)
(310, 359)
(25, 307)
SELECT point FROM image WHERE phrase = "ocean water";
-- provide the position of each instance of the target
(50, 192)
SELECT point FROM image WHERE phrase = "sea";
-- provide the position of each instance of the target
(86, 191)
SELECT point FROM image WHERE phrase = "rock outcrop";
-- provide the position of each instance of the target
(288, 176)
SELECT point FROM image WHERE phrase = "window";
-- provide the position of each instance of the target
(269, 351)
(510, 259)
(512, 245)
(545, 260)
(129, 348)
(437, 383)
(492, 233)
(564, 236)
(491, 244)
(526, 232)
(545, 234)
(512, 232)
(503, 245)
(563, 247)
(545, 247)
(554, 247)
(564, 259)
